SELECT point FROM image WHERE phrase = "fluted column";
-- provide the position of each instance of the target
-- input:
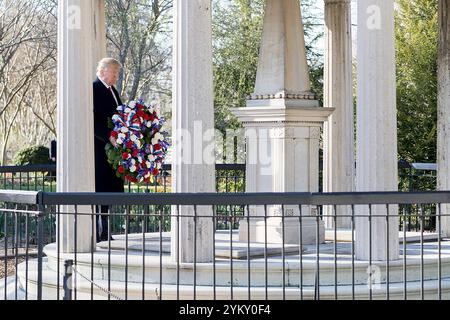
(339, 159)
(75, 163)
(99, 29)
(376, 153)
(193, 127)
(443, 147)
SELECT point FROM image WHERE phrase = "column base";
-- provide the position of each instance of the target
(275, 230)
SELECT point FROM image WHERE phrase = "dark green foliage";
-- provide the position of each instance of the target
(32, 155)
(416, 37)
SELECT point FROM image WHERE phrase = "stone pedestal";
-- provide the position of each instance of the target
(282, 156)
(443, 148)
(338, 137)
(376, 154)
(193, 129)
(282, 123)
(75, 163)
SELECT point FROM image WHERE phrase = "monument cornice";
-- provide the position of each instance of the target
(283, 114)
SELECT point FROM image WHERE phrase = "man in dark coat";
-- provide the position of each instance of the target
(106, 101)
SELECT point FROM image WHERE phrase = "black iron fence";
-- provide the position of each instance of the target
(229, 178)
(281, 250)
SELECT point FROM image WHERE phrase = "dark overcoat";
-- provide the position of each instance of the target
(104, 108)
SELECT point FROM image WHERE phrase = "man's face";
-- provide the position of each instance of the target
(110, 75)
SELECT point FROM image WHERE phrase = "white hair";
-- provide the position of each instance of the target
(107, 63)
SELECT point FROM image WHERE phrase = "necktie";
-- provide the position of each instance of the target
(114, 96)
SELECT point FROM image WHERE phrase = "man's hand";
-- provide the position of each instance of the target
(113, 141)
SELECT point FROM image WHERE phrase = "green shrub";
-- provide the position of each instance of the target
(32, 155)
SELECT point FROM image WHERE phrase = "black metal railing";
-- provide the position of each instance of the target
(28, 178)
(280, 251)
(229, 178)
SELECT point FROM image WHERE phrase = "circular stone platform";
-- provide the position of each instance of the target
(283, 275)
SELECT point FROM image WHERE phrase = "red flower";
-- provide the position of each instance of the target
(152, 118)
(157, 147)
(135, 153)
(129, 144)
(121, 170)
(155, 172)
(125, 155)
(114, 134)
(144, 165)
(146, 117)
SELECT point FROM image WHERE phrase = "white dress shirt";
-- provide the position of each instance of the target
(107, 87)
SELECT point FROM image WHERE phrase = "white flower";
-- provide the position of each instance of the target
(133, 138)
(148, 164)
(119, 141)
(133, 169)
(151, 158)
(138, 144)
(140, 159)
(158, 137)
(124, 129)
(149, 124)
(159, 165)
(151, 110)
(127, 110)
(122, 136)
(115, 117)
(133, 162)
(132, 104)
(156, 121)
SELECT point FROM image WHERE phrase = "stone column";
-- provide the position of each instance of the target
(282, 122)
(75, 163)
(193, 127)
(99, 29)
(443, 147)
(376, 156)
(338, 155)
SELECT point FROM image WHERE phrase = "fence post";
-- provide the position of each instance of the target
(40, 240)
(67, 282)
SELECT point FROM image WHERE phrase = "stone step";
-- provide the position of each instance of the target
(295, 272)
(344, 235)
(202, 292)
(156, 242)
(11, 289)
